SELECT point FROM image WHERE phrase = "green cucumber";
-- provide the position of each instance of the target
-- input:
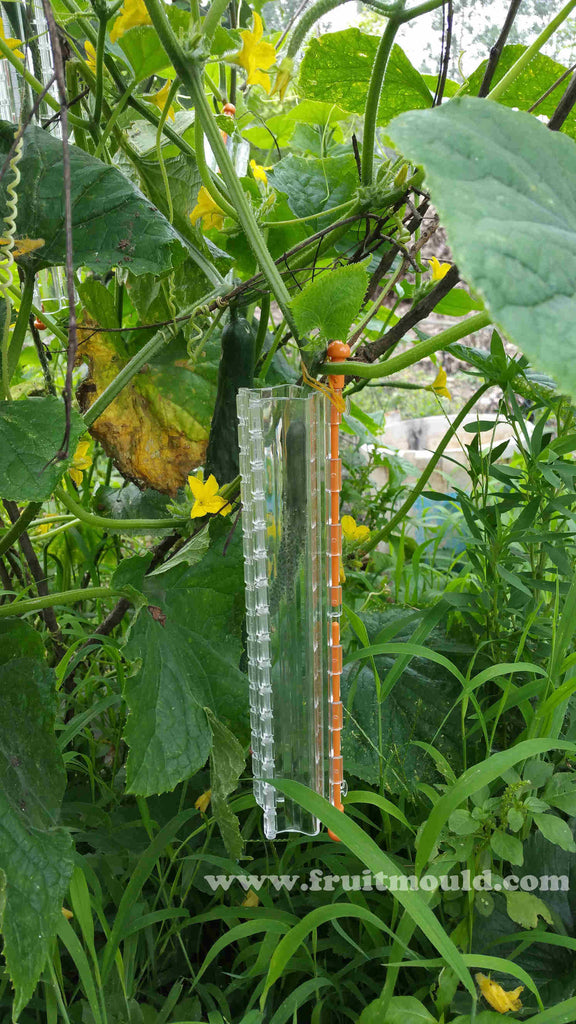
(236, 371)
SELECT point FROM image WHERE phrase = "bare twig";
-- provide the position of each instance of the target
(564, 107)
(114, 617)
(357, 155)
(388, 258)
(496, 51)
(67, 183)
(548, 92)
(420, 311)
(47, 614)
(69, 104)
(447, 20)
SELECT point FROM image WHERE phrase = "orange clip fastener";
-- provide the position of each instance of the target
(338, 352)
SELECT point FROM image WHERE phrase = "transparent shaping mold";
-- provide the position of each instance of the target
(283, 436)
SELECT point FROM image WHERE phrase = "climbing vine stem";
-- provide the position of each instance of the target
(187, 68)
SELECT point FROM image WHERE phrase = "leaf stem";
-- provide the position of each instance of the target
(396, 19)
(317, 11)
(21, 326)
(43, 315)
(412, 355)
(23, 521)
(100, 149)
(531, 52)
(99, 93)
(36, 604)
(373, 97)
(311, 216)
(379, 535)
(190, 74)
(165, 111)
(212, 19)
(122, 525)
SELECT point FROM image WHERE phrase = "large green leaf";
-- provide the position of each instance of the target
(505, 189)
(313, 184)
(188, 643)
(19, 640)
(113, 223)
(140, 44)
(281, 127)
(31, 433)
(534, 81)
(35, 855)
(338, 66)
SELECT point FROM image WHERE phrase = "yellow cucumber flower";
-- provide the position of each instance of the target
(283, 77)
(208, 501)
(90, 55)
(207, 210)
(132, 14)
(80, 461)
(203, 801)
(23, 246)
(251, 900)
(439, 386)
(353, 533)
(255, 56)
(159, 99)
(12, 43)
(439, 270)
(499, 999)
(258, 172)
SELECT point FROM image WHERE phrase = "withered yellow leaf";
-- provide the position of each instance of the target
(156, 430)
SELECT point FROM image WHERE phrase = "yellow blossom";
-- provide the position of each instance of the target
(283, 77)
(159, 99)
(43, 528)
(90, 55)
(80, 462)
(12, 43)
(251, 899)
(208, 501)
(439, 386)
(439, 270)
(498, 998)
(23, 246)
(203, 801)
(207, 210)
(255, 56)
(132, 14)
(259, 172)
(67, 913)
(353, 533)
